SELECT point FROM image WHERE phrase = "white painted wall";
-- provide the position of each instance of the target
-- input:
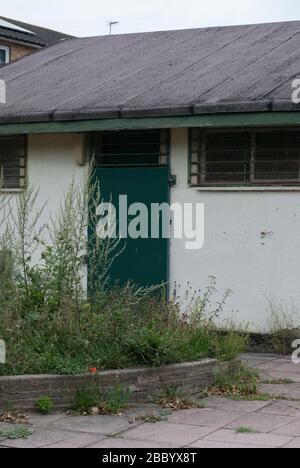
(51, 167)
(234, 251)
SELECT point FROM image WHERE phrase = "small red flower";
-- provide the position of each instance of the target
(93, 370)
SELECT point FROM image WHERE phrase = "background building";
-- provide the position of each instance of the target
(18, 39)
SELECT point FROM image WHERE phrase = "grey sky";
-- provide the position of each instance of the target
(90, 17)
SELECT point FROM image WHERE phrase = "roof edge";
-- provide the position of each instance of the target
(223, 108)
(207, 121)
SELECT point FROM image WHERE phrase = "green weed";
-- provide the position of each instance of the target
(19, 433)
(44, 405)
(245, 430)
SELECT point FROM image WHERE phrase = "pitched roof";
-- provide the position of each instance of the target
(40, 37)
(199, 71)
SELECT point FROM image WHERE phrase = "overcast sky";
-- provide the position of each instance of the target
(90, 17)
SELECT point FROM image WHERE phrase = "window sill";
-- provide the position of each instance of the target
(295, 188)
(12, 190)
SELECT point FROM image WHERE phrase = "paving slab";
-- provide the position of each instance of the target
(75, 440)
(208, 444)
(293, 404)
(264, 376)
(293, 394)
(261, 423)
(289, 429)
(293, 444)
(114, 443)
(164, 432)
(282, 408)
(37, 420)
(40, 439)
(274, 390)
(266, 366)
(225, 404)
(262, 357)
(206, 417)
(257, 440)
(105, 425)
(288, 366)
(275, 374)
(7, 426)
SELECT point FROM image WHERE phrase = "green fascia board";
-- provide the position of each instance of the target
(206, 121)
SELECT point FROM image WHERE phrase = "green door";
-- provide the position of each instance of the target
(144, 260)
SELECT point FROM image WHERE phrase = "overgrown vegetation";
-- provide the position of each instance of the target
(173, 399)
(240, 386)
(50, 325)
(279, 382)
(242, 381)
(89, 401)
(256, 397)
(283, 325)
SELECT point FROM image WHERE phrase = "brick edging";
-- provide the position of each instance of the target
(145, 384)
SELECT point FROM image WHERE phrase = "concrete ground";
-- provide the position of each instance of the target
(275, 424)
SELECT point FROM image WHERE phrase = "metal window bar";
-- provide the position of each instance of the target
(252, 163)
(196, 155)
(131, 148)
(13, 162)
(244, 157)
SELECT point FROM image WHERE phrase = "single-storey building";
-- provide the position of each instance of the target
(194, 116)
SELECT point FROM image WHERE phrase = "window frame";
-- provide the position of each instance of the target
(23, 176)
(162, 156)
(7, 53)
(253, 181)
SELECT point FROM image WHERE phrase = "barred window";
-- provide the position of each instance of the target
(13, 155)
(252, 157)
(131, 148)
(4, 54)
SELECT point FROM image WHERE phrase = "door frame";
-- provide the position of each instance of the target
(171, 182)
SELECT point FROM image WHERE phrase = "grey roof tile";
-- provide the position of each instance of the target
(212, 70)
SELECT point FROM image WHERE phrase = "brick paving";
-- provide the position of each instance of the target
(276, 423)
